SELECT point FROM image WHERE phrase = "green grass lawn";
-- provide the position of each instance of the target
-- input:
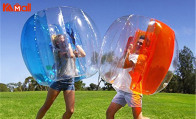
(93, 104)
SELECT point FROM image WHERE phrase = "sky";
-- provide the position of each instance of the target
(178, 14)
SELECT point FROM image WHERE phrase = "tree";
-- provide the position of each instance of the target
(30, 84)
(93, 86)
(186, 70)
(3, 88)
(41, 88)
(184, 79)
(173, 85)
(79, 85)
(107, 86)
(94, 58)
(12, 86)
(19, 87)
(99, 81)
(108, 57)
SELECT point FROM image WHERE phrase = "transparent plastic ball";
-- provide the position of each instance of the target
(60, 43)
(139, 54)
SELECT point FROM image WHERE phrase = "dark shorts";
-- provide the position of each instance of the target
(63, 85)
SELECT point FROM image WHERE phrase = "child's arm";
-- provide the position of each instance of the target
(71, 51)
(128, 63)
(81, 51)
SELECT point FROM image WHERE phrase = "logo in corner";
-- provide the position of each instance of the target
(16, 8)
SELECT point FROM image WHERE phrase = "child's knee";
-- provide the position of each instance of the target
(70, 111)
(109, 113)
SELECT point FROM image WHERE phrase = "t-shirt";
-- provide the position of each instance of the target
(123, 80)
(64, 64)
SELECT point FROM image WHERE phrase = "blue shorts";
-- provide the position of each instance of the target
(67, 84)
(132, 99)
